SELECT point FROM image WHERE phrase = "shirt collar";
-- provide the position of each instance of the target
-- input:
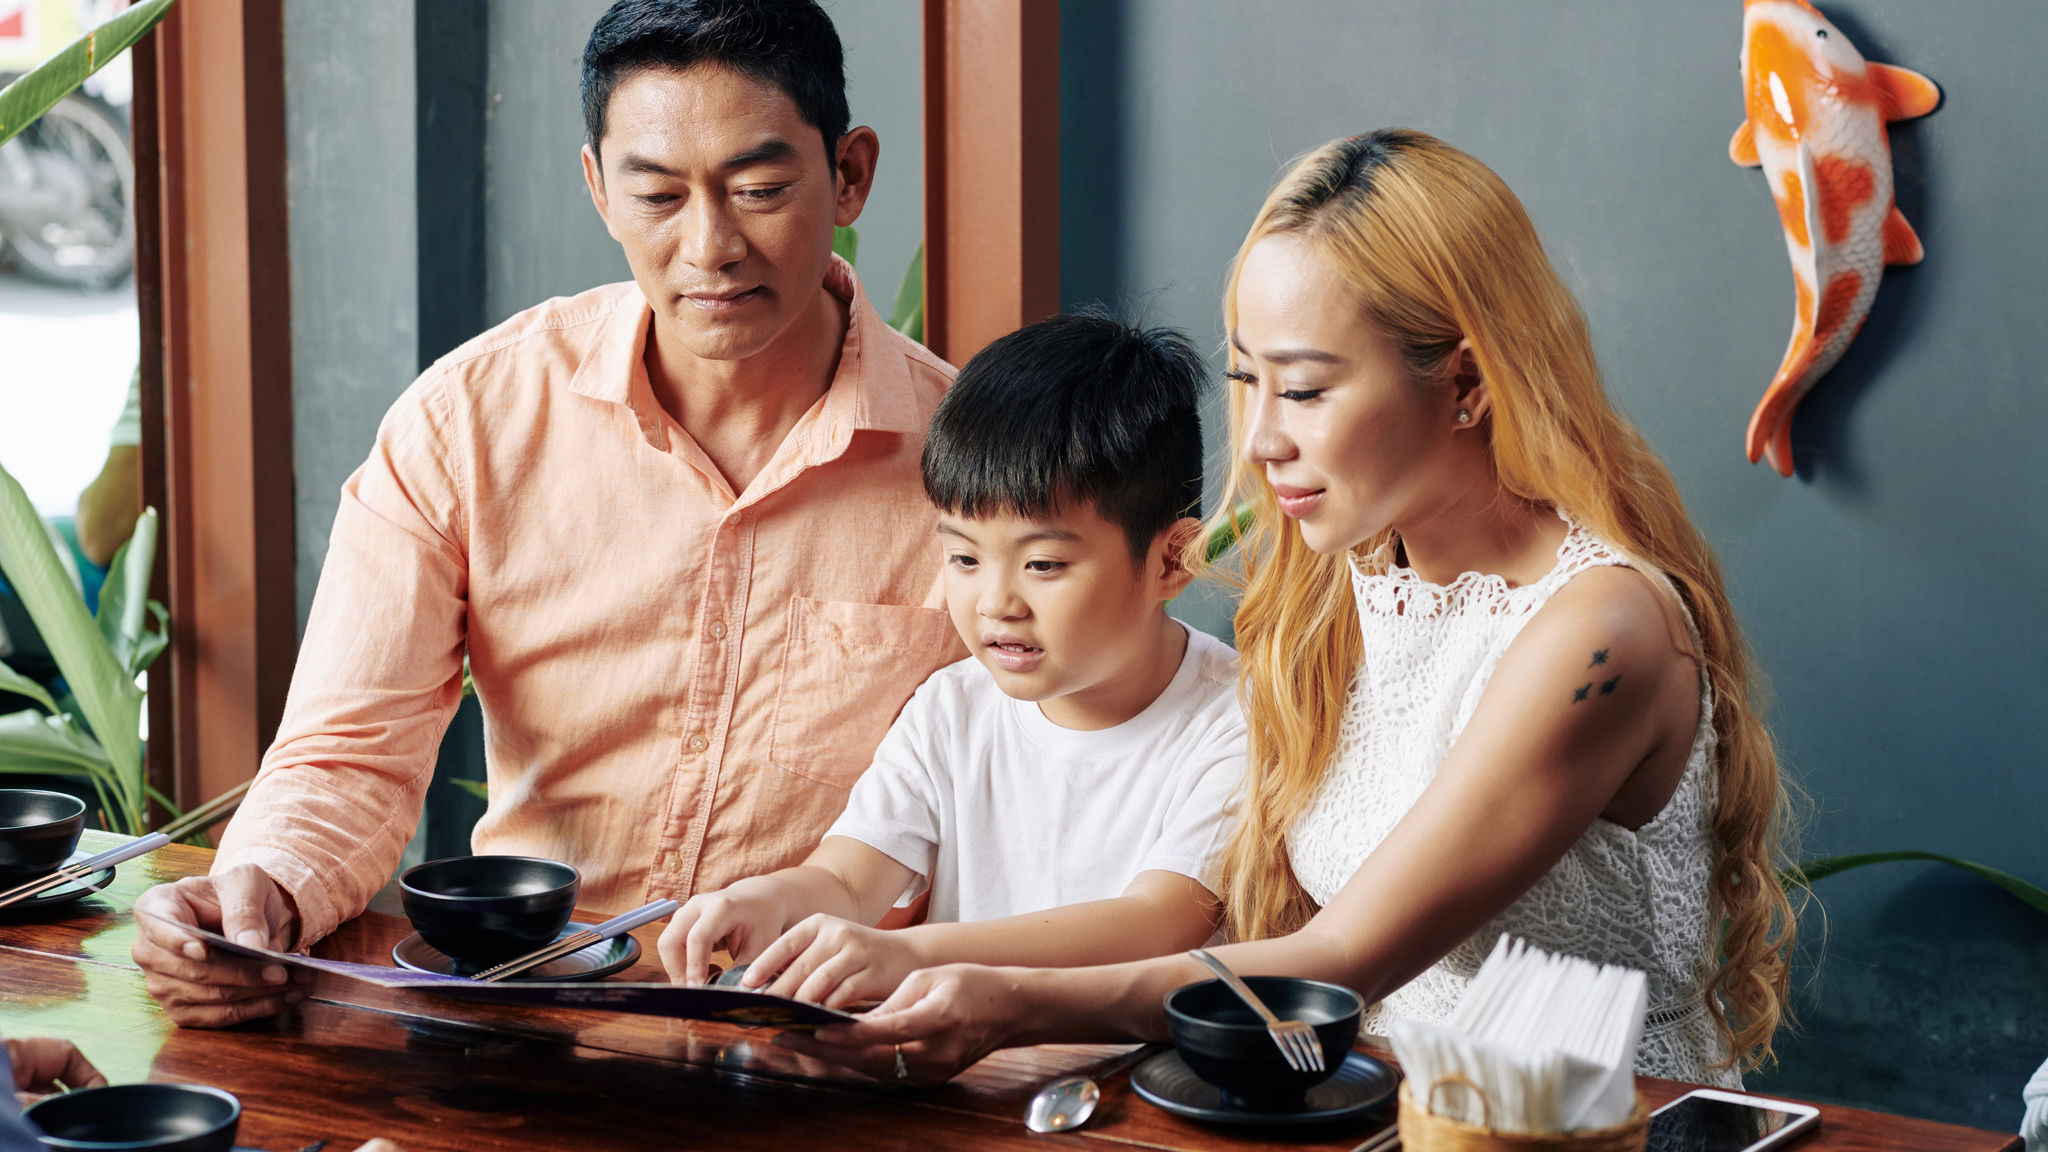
(871, 389)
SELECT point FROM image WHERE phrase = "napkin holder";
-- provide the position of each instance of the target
(1424, 1131)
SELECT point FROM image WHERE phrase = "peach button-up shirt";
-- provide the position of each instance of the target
(679, 682)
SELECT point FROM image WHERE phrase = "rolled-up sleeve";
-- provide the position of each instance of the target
(379, 677)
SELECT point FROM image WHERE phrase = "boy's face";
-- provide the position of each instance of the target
(1061, 614)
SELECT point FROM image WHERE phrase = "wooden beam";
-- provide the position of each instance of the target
(146, 136)
(217, 324)
(991, 170)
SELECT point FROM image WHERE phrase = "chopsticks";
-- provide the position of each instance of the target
(79, 872)
(1385, 1140)
(197, 820)
(581, 940)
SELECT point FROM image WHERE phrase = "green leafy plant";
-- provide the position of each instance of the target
(1225, 536)
(92, 731)
(845, 242)
(906, 315)
(36, 92)
(2034, 897)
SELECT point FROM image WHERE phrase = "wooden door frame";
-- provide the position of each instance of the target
(213, 292)
(991, 169)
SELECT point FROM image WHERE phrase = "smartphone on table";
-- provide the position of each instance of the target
(1710, 1120)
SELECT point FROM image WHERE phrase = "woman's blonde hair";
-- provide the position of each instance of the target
(1441, 251)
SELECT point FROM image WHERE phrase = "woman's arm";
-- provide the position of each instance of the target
(1596, 698)
(1159, 912)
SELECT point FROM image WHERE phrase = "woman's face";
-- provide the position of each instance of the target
(1349, 439)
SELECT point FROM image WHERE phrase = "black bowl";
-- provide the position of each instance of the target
(1225, 1043)
(484, 910)
(38, 830)
(157, 1117)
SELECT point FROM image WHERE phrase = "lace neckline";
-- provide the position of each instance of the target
(1377, 569)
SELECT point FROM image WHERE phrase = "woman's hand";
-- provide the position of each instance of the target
(939, 1019)
(834, 962)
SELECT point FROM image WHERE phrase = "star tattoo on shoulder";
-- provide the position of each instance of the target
(1599, 658)
(1579, 693)
(1607, 686)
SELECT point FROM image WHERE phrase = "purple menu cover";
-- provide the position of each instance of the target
(725, 1005)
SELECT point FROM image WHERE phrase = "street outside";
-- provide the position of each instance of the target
(65, 360)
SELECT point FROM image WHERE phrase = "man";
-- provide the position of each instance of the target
(676, 526)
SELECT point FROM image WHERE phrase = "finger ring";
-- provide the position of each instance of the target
(902, 1069)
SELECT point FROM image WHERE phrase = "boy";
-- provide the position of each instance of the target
(1060, 793)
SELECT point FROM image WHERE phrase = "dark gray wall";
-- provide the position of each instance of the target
(541, 236)
(1893, 590)
(884, 88)
(349, 183)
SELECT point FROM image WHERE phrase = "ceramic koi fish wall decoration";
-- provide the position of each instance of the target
(1816, 124)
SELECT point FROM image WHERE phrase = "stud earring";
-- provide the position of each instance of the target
(1464, 417)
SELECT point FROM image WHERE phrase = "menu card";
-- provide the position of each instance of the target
(740, 1006)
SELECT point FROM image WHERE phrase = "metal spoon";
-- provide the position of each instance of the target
(1069, 1101)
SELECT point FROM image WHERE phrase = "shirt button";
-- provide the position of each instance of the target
(698, 743)
(718, 629)
(675, 862)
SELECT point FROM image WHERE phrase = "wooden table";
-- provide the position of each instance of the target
(354, 1062)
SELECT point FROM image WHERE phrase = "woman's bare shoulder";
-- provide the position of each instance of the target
(1619, 605)
(1612, 636)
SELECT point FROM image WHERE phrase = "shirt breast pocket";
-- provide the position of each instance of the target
(846, 671)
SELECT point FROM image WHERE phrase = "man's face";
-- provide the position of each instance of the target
(724, 200)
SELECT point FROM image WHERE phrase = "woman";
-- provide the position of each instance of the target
(1492, 680)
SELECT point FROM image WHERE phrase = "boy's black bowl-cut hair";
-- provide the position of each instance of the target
(788, 43)
(1078, 408)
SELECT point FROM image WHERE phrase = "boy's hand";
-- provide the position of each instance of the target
(42, 1063)
(741, 919)
(835, 962)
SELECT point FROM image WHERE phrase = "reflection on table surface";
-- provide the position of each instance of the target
(355, 1062)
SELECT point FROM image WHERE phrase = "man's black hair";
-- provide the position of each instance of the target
(1068, 410)
(788, 43)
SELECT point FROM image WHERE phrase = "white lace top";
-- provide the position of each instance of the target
(1637, 898)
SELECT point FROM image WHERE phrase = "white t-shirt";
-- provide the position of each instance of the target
(1002, 812)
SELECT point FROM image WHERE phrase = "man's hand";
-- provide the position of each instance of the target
(198, 987)
(940, 1020)
(741, 919)
(835, 962)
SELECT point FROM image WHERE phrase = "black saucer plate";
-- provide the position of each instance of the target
(600, 959)
(66, 893)
(1357, 1088)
